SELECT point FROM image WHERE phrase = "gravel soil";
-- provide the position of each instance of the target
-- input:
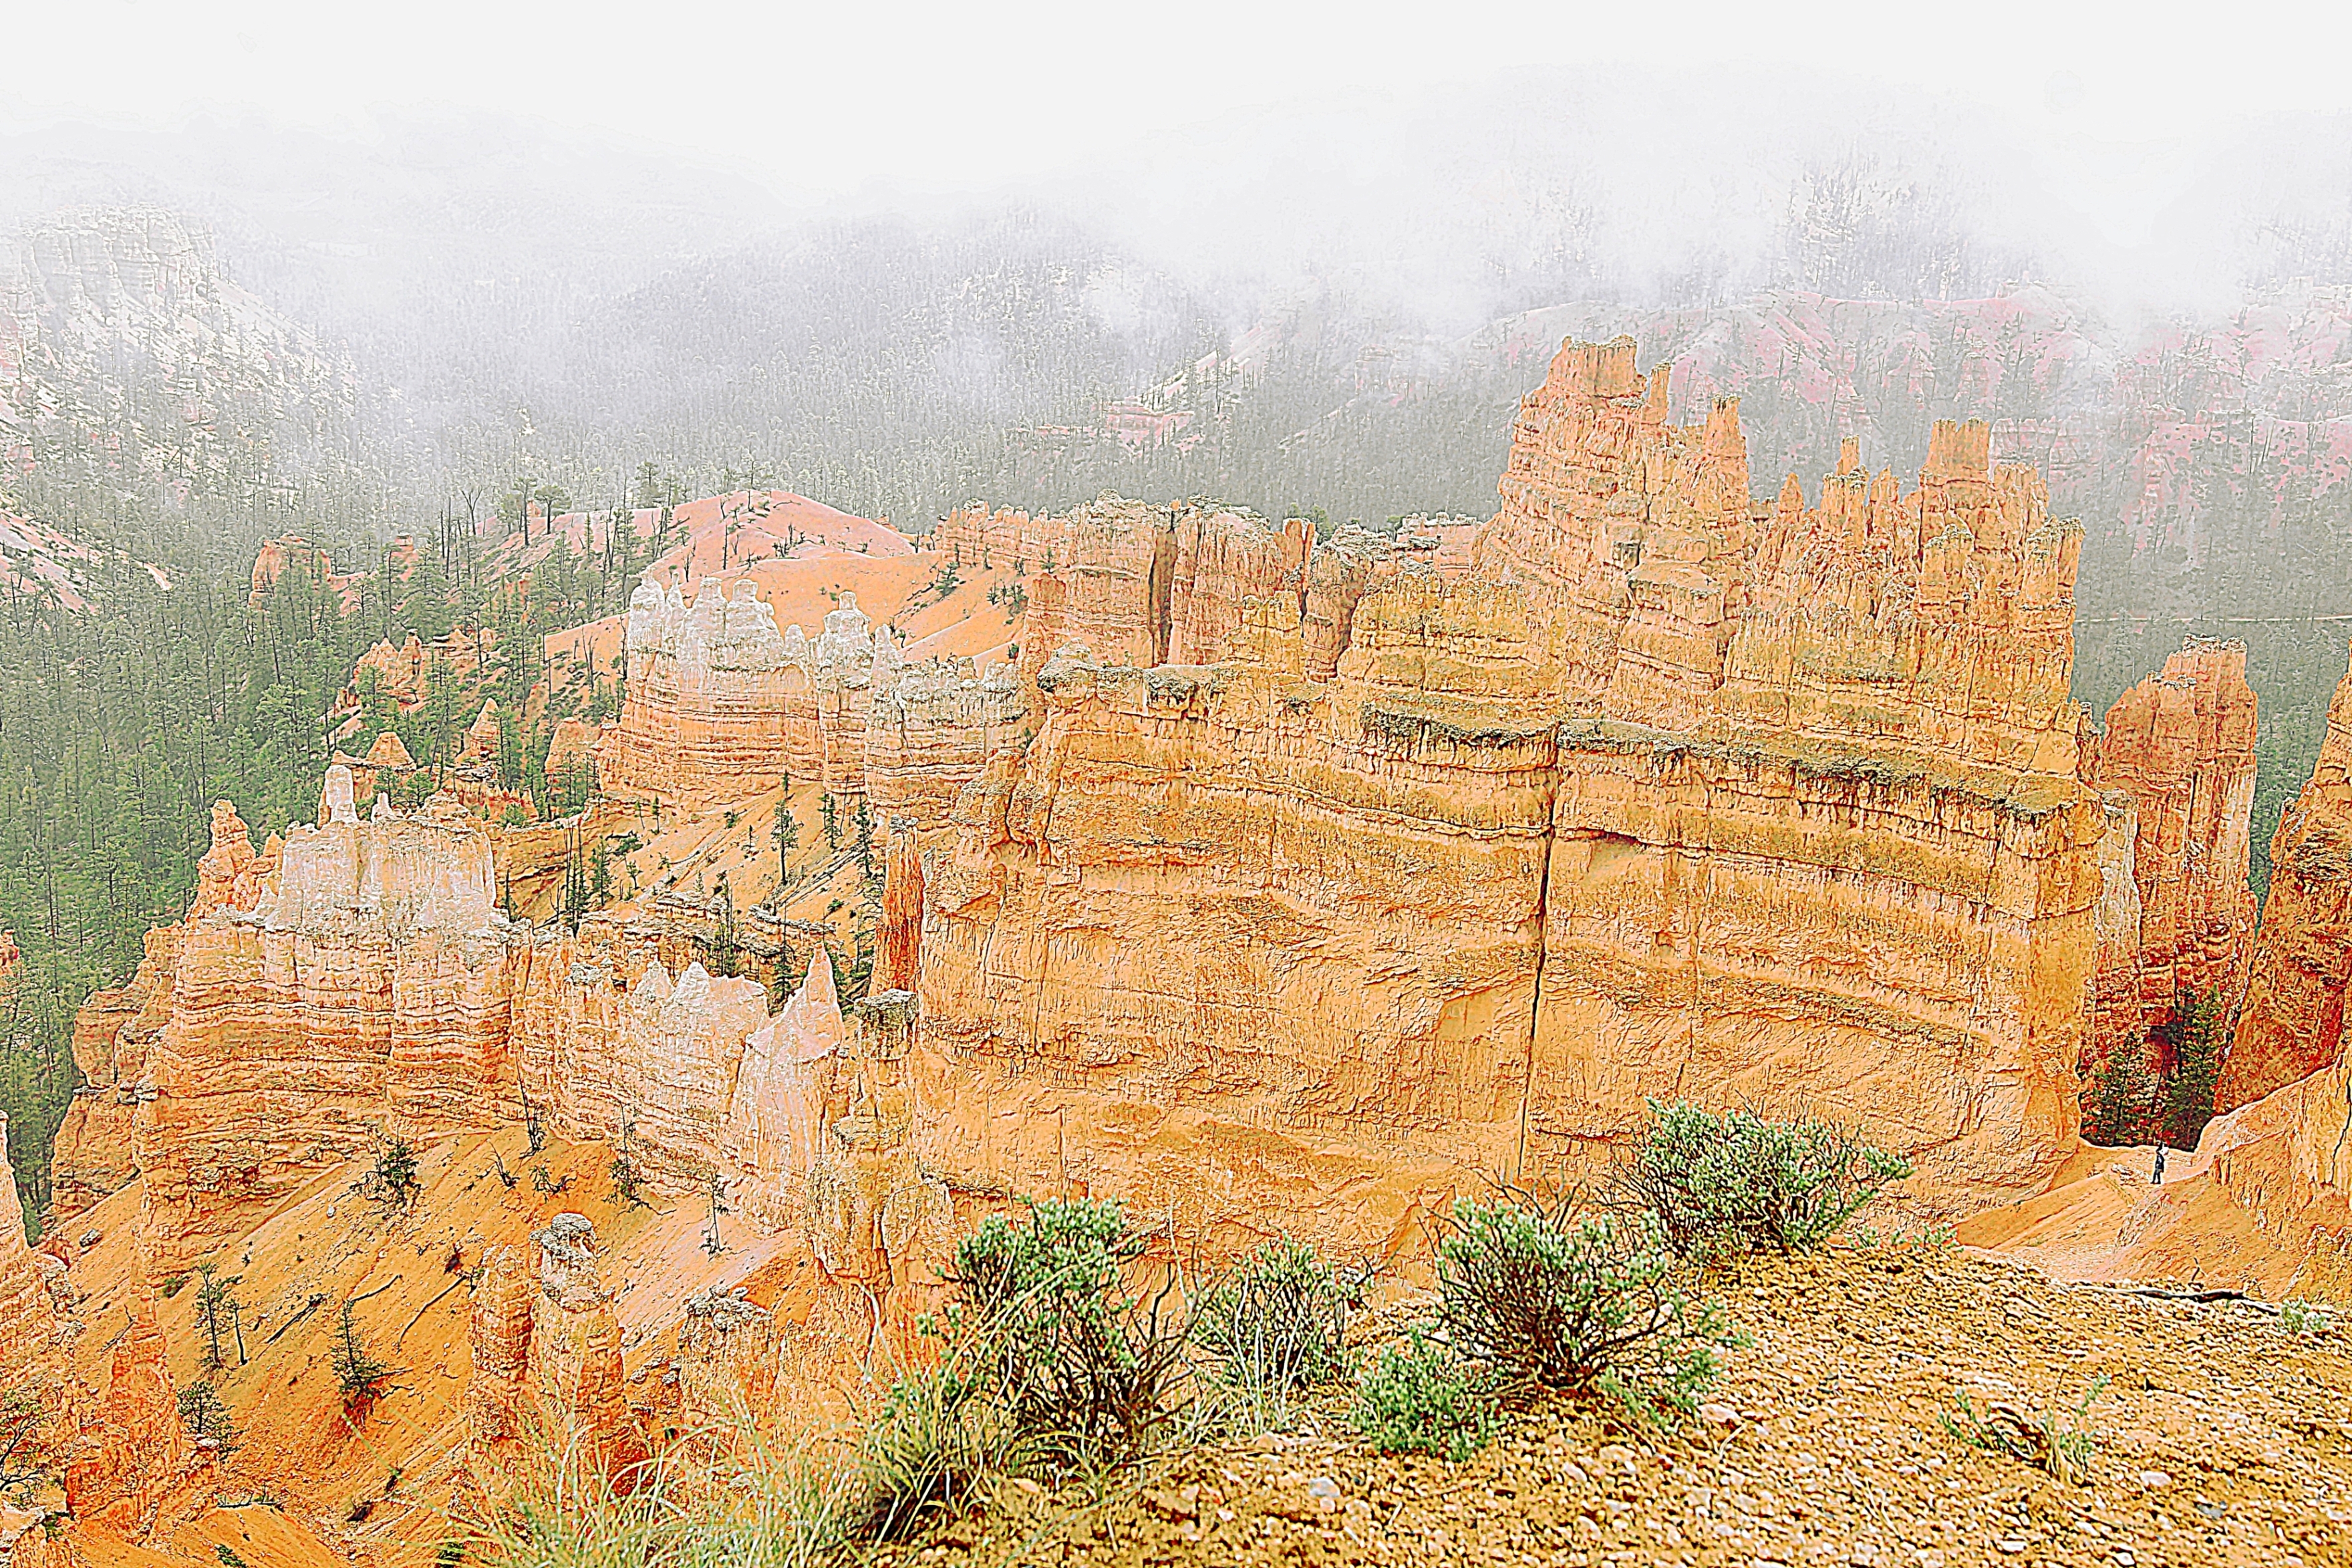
(2219, 1437)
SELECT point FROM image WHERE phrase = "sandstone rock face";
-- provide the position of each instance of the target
(574, 1358)
(361, 989)
(931, 733)
(783, 1086)
(568, 752)
(1144, 585)
(133, 1447)
(2292, 1024)
(2180, 747)
(729, 1352)
(1668, 794)
(114, 1034)
(498, 1332)
(898, 956)
(720, 703)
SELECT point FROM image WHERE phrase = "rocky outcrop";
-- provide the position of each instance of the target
(730, 1352)
(2180, 747)
(133, 1447)
(570, 764)
(931, 733)
(361, 989)
(783, 1088)
(546, 1356)
(1668, 794)
(298, 555)
(898, 944)
(1144, 585)
(2292, 1024)
(114, 1036)
(574, 1357)
(407, 674)
(498, 1336)
(719, 702)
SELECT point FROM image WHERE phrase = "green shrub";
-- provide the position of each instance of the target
(1540, 1299)
(358, 1375)
(1075, 1358)
(1275, 1327)
(1736, 1182)
(2298, 1317)
(1424, 1399)
(396, 1177)
(629, 1182)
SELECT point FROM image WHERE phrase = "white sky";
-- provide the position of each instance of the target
(826, 101)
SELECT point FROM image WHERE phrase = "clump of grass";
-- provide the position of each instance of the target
(1274, 1327)
(2301, 1317)
(932, 1448)
(2061, 1444)
(729, 1496)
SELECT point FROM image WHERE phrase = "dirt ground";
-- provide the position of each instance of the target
(2220, 1437)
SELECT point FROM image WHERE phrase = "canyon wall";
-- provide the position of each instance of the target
(721, 704)
(1669, 794)
(1145, 585)
(356, 989)
(2180, 747)
(2292, 1024)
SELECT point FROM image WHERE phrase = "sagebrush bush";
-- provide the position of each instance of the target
(1736, 1182)
(1543, 1300)
(1423, 1399)
(1275, 1327)
(1080, 1363)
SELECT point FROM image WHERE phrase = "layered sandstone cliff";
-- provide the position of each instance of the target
(2292, 1024)
(2180, 749)
(721, 703)
(356, 991)
(1145, 585)
(1669, 794)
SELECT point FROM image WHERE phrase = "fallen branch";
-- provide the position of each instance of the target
(2158, 1293)
(425, 1309)
(315, 1301)
(378, 1291)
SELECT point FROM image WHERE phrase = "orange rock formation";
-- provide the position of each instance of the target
(1670, 794)
(2180, 746)
(1271, 886)
(721, 704)
(2292, 1024)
